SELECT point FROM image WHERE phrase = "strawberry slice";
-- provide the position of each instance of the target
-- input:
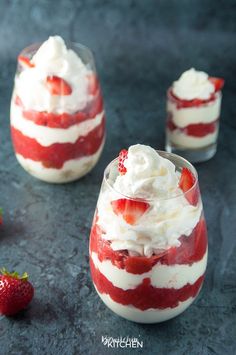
(122, 157)
(58, 86)
(93, 84)
(138, 264)
(217, 82)
(130, 210)
(25, 62)
(186, 182)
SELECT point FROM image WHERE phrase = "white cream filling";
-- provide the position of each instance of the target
(183, 140)
(159, 228)
(46, 136)
(207, 113)
(72, 169)
(148, 316)
(161, 276)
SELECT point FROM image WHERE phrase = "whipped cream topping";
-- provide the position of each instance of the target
(161, 226)
(193, 84)
(53, 58)
(148, 174)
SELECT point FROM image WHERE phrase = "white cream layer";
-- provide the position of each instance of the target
(72, 169)
(47, 135)
(148, 316)
(161, 276)
(204, 114)
(180, 139)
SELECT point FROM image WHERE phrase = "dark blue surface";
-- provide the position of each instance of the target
(140, 47)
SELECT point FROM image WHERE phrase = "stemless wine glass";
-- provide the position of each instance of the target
(57, 120)
(158, 287)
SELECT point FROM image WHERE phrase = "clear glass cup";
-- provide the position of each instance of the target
(57, 128)
(192, 126)
(158, 287)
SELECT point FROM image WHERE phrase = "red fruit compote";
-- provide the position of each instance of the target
(148, 242)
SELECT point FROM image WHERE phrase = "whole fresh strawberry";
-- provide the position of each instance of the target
(16, 292)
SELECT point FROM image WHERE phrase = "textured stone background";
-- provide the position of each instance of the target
(140, 47)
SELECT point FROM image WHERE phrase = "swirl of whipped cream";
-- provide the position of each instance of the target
(148, 174)
(193, 84)
(160, 227)
(53, 58)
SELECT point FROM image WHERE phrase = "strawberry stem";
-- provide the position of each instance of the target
(14, 274)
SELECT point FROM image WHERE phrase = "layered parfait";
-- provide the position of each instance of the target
(57, 115)
(148, 243)
(193, 112)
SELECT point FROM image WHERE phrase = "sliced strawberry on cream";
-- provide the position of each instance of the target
(186, 182)
(25, 62)
(58, 86)
(141, 264)
(138, 264)
(217, 82)
(130, 210)
(122, 157)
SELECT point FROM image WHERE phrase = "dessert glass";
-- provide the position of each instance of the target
(192, 126)
(148, 289)
(59, 146)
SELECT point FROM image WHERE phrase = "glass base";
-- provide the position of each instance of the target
(193, 155)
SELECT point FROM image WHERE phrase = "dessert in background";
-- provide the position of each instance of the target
(193, 113)
(57, 115)
(148, 242)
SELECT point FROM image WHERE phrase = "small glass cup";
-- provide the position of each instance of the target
(192, 126)
(161, 285)
(63, 143)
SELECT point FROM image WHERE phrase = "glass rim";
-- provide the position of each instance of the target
(34, 46)
(161, 152)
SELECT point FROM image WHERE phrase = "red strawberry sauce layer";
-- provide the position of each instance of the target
(63, 120)
(192, 249)
(195, 129)
(180, 103)
(145, 296)
(55, 155)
